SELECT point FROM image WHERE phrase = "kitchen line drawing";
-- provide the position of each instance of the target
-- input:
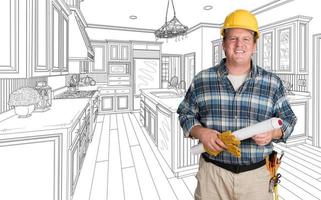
(101, 92)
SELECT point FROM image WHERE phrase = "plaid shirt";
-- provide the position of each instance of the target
(212, 102)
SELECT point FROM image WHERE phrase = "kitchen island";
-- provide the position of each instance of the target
(158, 116)
(299, 102)
(42, 155)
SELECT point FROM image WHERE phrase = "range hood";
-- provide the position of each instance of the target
(80, 48)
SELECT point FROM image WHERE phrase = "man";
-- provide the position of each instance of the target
(230, 96)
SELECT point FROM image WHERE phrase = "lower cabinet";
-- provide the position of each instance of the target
(122, 102)
(31, 166)
(80, 138)
(107, 103)
(75, 167)
(115, 100)
(300, 132)
(44, 164)
(151, 123)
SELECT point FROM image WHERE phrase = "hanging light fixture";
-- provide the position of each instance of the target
(172, 28)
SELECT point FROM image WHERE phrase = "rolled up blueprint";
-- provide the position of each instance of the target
(247, 132)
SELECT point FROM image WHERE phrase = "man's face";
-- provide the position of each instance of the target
(239, 45)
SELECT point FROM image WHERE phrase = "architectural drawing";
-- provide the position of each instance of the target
(107, 90)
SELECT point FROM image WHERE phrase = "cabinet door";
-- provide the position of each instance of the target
(41, 38)
(59, 41)
(55, 39)
(12, 39)
(285, 50)
(99, 63)
(74, 166)
(31, 168)
(124, 52)
(113, 52)
(300, 109)
(122, 102)
(107, 103)
(153, 127)
(64, 43)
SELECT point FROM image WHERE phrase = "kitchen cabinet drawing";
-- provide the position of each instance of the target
(111, 130)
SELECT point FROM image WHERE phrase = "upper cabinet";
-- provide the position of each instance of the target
(34, 41)
(99, 64)
(218, 52)
(283, 46)
(60, 40)
(12, 40)
(119, 51)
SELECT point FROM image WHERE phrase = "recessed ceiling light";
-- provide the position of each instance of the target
(133, 17)
(207, 7)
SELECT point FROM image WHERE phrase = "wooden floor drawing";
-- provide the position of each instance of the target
(128, 166)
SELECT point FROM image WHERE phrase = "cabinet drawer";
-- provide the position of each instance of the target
(122, 91)
(119, 78)
(107, 91)
(119, 83)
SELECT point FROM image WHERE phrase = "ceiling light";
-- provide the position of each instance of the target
(133, 17)
(172, 28)
(207, 7)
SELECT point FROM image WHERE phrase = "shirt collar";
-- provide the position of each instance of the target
(223, 71)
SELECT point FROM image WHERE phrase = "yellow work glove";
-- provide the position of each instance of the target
(231, 142)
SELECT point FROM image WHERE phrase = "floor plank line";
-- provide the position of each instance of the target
(149, 177)
(132, 138)
(99, 189)
(131, 186)
(146, 183)
(162, 184)
(104, 141)
(115, 180)
(125, 153)
(309, 152)
(113, 122)
(298, 156)
(85, 180)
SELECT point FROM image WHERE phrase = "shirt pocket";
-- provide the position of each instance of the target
(261, 107)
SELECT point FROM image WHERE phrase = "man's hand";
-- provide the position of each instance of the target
(266, 138)
(209, 138)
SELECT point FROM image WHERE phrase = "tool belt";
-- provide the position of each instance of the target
(235, 168)
(272, 165)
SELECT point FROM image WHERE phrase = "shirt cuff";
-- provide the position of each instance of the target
(189, 125)
(286, 129)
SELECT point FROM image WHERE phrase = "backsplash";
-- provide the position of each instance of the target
(7, 86)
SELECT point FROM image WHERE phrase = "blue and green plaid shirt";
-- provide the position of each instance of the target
(212, 102)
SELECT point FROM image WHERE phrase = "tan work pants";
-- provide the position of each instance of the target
(215, 183)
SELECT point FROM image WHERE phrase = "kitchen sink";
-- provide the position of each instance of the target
(166, 94)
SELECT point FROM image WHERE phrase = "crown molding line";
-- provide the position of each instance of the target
(271, 5)
(144, 30)
(121, 28)
(203, 25)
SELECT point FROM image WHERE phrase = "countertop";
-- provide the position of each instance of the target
(173, 103)
(169, 103)
(298, 96)
(62, 115)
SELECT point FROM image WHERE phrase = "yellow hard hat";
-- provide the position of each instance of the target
(241, 19)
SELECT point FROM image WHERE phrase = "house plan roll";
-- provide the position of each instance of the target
(248, 132)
